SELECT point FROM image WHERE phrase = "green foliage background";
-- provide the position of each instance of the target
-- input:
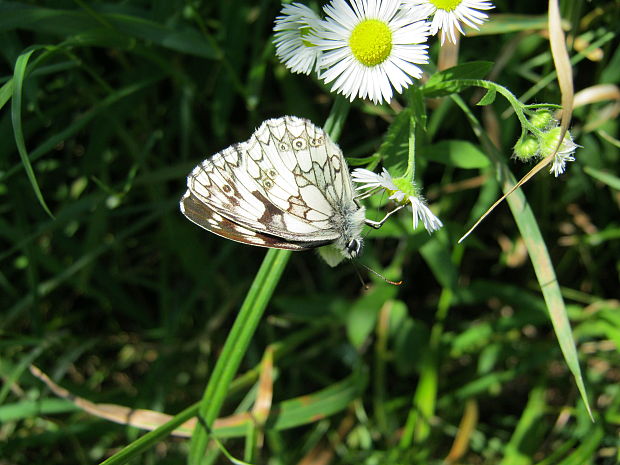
(121, 300)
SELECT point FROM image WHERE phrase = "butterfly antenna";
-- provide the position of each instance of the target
(395, 283)
(359, 275)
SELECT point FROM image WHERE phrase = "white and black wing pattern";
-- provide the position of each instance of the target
(288, 186)
(199, 213)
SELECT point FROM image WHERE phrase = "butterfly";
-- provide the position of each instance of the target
(287, 187)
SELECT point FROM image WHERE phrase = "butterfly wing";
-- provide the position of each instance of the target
(199, 213)
(312, 165)
(288, 181)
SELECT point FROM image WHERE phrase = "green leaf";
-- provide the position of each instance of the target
(587, 449)
(436, 253)
(529, 431)
(605, 177)
(410, 342)
(364, 312)
(6, 91)
(488, 98)
(307, 409)
(16, 118)
(14, 15)
(35, 408)
(507, 23)
(458, 153)
(448, 81)
(394, 148)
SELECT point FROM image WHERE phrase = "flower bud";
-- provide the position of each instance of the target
(543, 119)
(526, 148)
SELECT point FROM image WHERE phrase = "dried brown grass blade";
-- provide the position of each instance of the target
(539, 166)
(463, 435)
(597, 93)
(140, 418)
(264, 396)
(563, 67)
(448, 55)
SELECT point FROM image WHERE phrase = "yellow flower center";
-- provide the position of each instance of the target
(446, 5)
(371, 42)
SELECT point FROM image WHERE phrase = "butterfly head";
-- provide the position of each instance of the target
(353, 247)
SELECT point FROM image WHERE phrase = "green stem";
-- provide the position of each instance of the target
(417, 118)
(246, 323)
(410, 173)
(514, 101)
(151, 438)
(337, 117)
(235, 347)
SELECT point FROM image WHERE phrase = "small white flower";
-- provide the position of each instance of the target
(449, 14)
(294, 46)
(370, 48)
(404, 194)
(564, 154)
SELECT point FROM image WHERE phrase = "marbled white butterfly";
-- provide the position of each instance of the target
(287, 187)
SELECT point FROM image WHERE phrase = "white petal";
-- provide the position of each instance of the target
(422, 212)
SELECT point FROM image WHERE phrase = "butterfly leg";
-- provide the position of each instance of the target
(378, 224)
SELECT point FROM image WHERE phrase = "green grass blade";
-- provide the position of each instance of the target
(16, 118)
(6, 91)
(64, 23)
(525, 439)
(34, 408)
(607, 178)
(246, 322)
(587, 449)
(236, 344)
(89, 115)
(539, 255)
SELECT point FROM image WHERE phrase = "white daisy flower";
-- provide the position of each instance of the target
(449, 14)
(401, 191)
(294, 47)
(371, 47)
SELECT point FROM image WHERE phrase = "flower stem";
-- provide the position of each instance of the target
(416, 105)
(246, 323)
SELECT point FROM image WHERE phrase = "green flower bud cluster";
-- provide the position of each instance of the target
(533, 146)
(542, 141)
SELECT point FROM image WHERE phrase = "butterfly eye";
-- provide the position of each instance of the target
(226, 188)
(268, 183)
(282, 146)
(299, 143)
(354, 247)
(272, 173)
